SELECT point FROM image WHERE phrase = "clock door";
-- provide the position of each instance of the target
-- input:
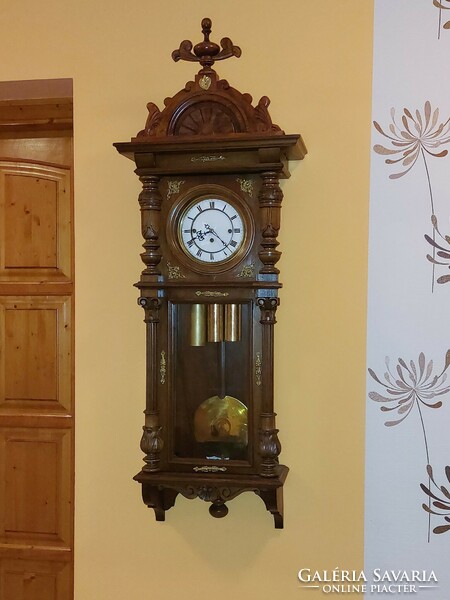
(211, 383)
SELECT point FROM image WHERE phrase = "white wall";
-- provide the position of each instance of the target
(408, 309)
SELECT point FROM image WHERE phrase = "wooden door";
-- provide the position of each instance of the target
(36, 365)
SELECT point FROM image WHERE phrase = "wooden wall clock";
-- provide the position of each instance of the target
(210, 165)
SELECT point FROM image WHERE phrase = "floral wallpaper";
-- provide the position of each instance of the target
(407, 513)
(442, 5)
(420, 135)
(414, 385)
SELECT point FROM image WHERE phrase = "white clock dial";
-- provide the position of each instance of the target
(211, 230)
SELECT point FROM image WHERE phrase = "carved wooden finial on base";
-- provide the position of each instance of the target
(206, 52)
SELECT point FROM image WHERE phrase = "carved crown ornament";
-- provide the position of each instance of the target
(209, 105)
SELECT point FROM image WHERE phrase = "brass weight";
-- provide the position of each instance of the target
(198, 325)
(232, 322)
(215, 322)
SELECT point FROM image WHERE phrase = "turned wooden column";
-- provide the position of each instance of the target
(270, 198)
(269, 444)
(151, 442)
(150, 200)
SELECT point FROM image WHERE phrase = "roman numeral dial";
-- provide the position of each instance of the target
(211, 230)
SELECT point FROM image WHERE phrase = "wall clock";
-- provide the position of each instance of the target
(210, 164)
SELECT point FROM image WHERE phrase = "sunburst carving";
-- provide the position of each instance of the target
(206, 118)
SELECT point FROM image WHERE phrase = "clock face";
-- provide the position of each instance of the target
(211, 230)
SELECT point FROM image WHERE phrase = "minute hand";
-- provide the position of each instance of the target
(211, 230)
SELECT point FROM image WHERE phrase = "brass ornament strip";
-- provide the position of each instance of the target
(206, 469)
(211, 294)
(258, 369)
(205, 159)
(163, 368)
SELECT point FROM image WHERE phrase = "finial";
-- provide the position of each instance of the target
(206, 28)
(206, 52)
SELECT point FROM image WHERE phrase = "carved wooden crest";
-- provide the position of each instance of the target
(208, 106)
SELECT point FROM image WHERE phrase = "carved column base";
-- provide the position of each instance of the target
(269, 445)
(151, 445)
(159, 491)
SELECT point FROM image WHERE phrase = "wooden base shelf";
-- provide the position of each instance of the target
(160, 490)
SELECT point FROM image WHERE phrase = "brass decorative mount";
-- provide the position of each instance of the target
(206, 52)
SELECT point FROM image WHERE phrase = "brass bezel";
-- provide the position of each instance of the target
(205, 192)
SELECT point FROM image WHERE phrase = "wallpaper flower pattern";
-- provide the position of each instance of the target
(408, 386)
(443, 249)
(408, 459)
(442, 5)
(419, 135)
(441, 503)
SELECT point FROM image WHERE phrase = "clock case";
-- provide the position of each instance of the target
(209, 141)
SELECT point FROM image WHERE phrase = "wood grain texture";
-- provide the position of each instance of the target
(54, 151)
(31, 354)
(35, 355)
(36, 352)
(34, 580)
(35, 222)
(35, 488)
(30, 222)
(14, 113)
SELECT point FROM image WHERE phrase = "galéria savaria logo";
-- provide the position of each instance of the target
(379, 581)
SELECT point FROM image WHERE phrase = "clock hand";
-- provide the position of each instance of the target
(211, 230)
(200, 236)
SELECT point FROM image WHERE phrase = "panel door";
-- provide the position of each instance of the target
(36, 370)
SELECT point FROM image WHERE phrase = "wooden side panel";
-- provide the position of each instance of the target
(34, 580)
(35, 487)
(35, 355)
(35, 216)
